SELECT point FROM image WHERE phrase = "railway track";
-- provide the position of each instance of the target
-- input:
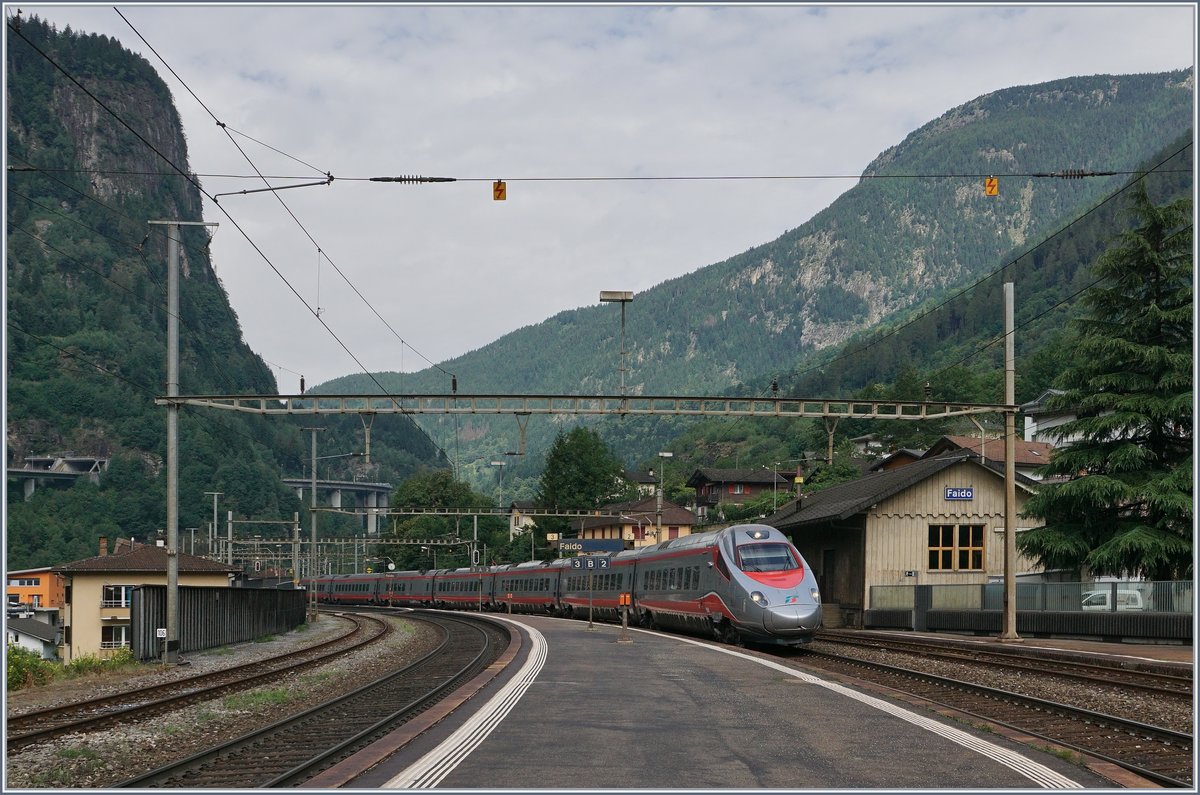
(134, 705)
(1151, 681)
(292, 750)
(1160, 755)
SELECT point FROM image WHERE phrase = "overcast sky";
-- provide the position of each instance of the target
(535, 95)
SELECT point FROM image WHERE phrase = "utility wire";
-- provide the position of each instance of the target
(199, 188)
(920, 316)
(1061, 174)
(138, 249)
(265, 181)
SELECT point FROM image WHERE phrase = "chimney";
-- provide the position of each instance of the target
(103, 546)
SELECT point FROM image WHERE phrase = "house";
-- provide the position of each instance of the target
(520, 517)
(1028, 456)
(1040, 421)
(936, 521)
(97, 592)
(34, 588)
(738, 486)
(895, 459)
(646, 483)
(636, 522)
(43, 637)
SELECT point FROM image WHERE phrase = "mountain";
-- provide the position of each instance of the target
(917, 224)
(87, 317)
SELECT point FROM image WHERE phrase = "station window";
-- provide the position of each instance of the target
(956, 548)
(970, 547)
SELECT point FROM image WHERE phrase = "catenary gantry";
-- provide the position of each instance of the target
(524, 405)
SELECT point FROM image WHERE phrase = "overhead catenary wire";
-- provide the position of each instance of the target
(199, 188)
(999, 271)
(139, 248)
(228, 131)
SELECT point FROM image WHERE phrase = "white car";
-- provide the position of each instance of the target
(1127, 599)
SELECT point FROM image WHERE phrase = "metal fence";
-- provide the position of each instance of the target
(211, 617)
(1171, 596)
(1150, 611)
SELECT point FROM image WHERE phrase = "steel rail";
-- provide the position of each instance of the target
(1115, 676)
(1156, 745)
(126, 706)
(295, 747)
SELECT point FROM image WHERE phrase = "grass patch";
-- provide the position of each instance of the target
(316, 677)
(265, 638)
(77, 753)
(258, 699)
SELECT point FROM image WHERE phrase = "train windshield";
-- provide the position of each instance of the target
(766, 557)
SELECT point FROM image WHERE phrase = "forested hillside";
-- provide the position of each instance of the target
(917, 224)
(87, 318)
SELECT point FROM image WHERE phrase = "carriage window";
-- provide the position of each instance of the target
(766, 557)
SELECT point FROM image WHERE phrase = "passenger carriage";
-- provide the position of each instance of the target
(530, 587)
(461, 588)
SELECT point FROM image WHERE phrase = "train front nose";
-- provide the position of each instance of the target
(792, 620)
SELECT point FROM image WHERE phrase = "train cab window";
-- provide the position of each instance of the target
(722, 566)
(765, 557)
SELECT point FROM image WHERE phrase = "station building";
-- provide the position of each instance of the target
(935, 521)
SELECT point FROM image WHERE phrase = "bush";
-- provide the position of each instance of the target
(27, 668)
(91, 664)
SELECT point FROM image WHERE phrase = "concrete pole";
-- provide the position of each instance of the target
(312, 591)
(171, 654)
(213, 530)
(296, 549)
(229, 541)
(1009, 631)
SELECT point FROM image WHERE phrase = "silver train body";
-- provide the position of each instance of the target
(742, 584)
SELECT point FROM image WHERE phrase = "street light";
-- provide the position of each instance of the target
(500, 468)
(432, 550)
(775, 479)
(640, 521)
(664, 455)
(621, 297)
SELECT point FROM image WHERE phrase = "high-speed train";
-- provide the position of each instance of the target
(743, 584)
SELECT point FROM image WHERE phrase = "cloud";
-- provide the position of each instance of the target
(526, 93)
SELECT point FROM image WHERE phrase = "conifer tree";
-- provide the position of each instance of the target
(1125, 506)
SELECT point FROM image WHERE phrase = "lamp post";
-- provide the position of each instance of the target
(640, 521)
(213, 532)
(664, 455)
(500, 469)
(621, 297)
(434, 551)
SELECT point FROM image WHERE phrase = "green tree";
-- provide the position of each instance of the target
(1126, 506)
(581, 473)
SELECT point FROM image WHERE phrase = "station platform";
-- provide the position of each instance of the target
(601, 708)
(1169, 657)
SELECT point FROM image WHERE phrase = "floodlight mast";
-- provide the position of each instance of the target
(621, 297)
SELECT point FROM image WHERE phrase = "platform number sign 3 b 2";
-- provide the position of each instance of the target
(586, 562)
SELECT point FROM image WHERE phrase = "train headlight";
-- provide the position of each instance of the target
(758, 598)
(816, 595)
